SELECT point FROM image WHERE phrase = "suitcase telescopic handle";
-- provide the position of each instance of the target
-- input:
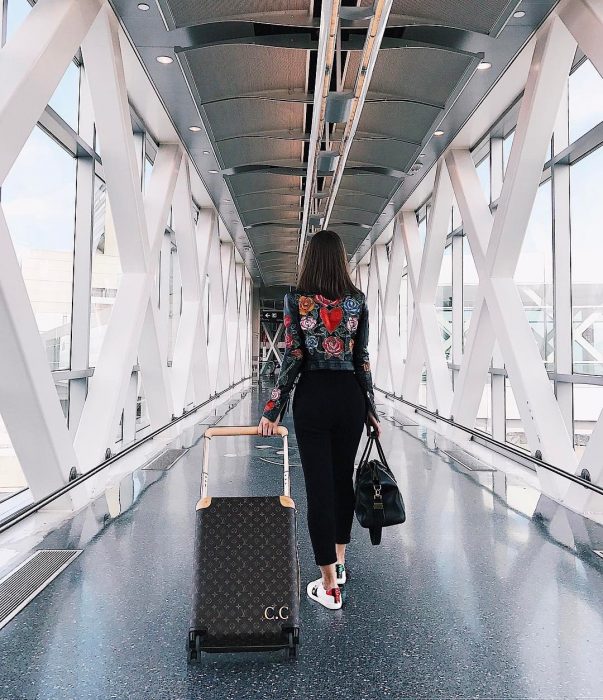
(233, 430)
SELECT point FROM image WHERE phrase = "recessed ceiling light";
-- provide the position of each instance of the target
(205, 153)
(227, 200)
(213, 172)
(422, 155)
(439, 132)
(519, 14)
(165, 59)
(194, 128)
(143, 6)
(484, 65)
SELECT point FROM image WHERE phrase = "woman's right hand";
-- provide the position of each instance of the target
(373, 424)
(267, 427)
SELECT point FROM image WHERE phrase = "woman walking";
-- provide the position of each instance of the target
(326, 338)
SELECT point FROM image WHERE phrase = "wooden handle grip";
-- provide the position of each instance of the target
(231, 430)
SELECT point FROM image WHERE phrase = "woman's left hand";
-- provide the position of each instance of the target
(373, 424)
(267, 427)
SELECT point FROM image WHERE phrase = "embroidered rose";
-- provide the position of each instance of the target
(306, 304)
(326, 302)
(308, 323)
(352, 323)
(351, 305)
(366, 367)
(311, 342)
(332, 346)
(351, 344)
(287, 321)
(297, 353)
(288, 340)
(269, 406)
(276, 394)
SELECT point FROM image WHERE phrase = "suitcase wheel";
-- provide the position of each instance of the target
(194, 646)
(293, 642)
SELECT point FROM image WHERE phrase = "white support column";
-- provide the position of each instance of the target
(139, 237)
(187, 339)
(372, 302)
(32, 63)
(217, 349)
(500, 309)
(425, 342)
(29, 403)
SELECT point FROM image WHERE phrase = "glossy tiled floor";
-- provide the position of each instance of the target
(485, 592)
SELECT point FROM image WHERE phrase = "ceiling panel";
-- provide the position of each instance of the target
(249, 115)
(397, 155)
(247, 183)
(475, 15)
(183, 13)
(401, 120)
(248, 149)
(226, 71)
(262, 200)
(425, 75)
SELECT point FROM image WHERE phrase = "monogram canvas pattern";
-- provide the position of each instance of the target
(246, 579)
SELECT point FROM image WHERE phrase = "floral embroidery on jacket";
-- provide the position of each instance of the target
(322, 334)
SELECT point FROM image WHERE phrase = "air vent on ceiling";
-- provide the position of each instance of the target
(23, 584)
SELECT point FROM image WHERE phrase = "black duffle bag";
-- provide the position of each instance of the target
(379, 502)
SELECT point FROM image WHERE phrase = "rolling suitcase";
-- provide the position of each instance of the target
(246, 571)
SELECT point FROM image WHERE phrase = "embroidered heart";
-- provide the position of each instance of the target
(331, 318)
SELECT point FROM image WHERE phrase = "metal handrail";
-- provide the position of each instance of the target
(23, 513)
(507, 448)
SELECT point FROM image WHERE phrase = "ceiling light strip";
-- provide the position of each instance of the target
(363, 79)
(329, 20)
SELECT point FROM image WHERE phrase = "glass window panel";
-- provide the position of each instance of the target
(106, 270)
(175, 304)
(507, 144)
(483, 420)
(588, 403)
(483, 172)
(16, 12)
(423, 388)
(534, 274)
(585, 100)
(148, 169)
(470, 284)
(66, 98)
(403, 315)
(443, 301)
(423, 231)
(142, 413)
(515, 434)
(62, 388)
(12, 479)
(586, 208)
(38, 198)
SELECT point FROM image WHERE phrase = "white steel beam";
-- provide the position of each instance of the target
(29, 403)
(425, 343)
(139, 238)
(500, 310)
(32, 63)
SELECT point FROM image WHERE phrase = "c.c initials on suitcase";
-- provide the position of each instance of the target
(245, 549)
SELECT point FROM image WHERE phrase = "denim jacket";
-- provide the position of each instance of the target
(323, 334)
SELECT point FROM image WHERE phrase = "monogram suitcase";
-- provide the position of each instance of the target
(246, 571)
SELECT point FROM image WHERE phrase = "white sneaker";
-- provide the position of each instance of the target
(342, 575)
(331, 599)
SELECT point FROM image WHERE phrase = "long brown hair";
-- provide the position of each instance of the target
(324, 268)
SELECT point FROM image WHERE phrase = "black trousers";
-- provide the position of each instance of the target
(329, 413)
